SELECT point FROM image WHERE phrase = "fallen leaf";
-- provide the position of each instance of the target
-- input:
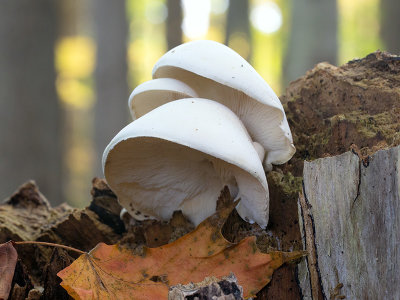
(112, 272)
(8, 260)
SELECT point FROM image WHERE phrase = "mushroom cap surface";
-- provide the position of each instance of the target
(218, 73)
(180, 156)
(151, 94)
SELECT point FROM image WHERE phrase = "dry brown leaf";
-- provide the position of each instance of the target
(8, 260)
(111, 272)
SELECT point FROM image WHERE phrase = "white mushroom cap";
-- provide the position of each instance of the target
(179, 156)
(217, 72)
(154, 93)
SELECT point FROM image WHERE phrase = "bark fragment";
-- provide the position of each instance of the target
(356, 242)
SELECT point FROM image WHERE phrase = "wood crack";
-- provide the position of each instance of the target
(312, 257)
(362, 161)
(358, 187)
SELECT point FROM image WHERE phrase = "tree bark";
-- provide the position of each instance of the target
(30, 118)
(111, 110)
(355, 210)
(313, 37)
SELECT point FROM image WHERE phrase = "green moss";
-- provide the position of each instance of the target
(290, 185)
(369, 126)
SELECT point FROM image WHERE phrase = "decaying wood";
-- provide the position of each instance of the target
(330, 109)
(21, 284)
(52, 289)
(226, 288)
(355, 208)
(308, 232)
(27, 215)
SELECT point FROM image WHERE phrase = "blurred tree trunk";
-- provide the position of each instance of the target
(313, 36)
(68, 17)
(174, 22)
(390, 25)
(238, 35)
(30, 138)
(75, 24)
(111, 111)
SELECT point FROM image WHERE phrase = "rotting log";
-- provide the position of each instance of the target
(350, 213)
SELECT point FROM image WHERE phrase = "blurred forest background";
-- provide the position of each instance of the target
(67, 67)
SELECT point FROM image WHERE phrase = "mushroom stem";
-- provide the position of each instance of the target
(261, 154)
(260, 150)
(123, 213)
(267, 166)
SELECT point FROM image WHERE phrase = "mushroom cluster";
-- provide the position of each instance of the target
(206, 120)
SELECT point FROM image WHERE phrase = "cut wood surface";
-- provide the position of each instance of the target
(354, 206)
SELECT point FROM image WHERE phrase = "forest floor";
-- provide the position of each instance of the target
(330, 110)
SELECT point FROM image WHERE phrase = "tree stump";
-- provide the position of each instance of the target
(330, 110)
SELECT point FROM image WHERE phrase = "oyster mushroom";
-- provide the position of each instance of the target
(179, 156)
(151, 94)
(218, 73)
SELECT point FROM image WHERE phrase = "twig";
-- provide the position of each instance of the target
(50, 244)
